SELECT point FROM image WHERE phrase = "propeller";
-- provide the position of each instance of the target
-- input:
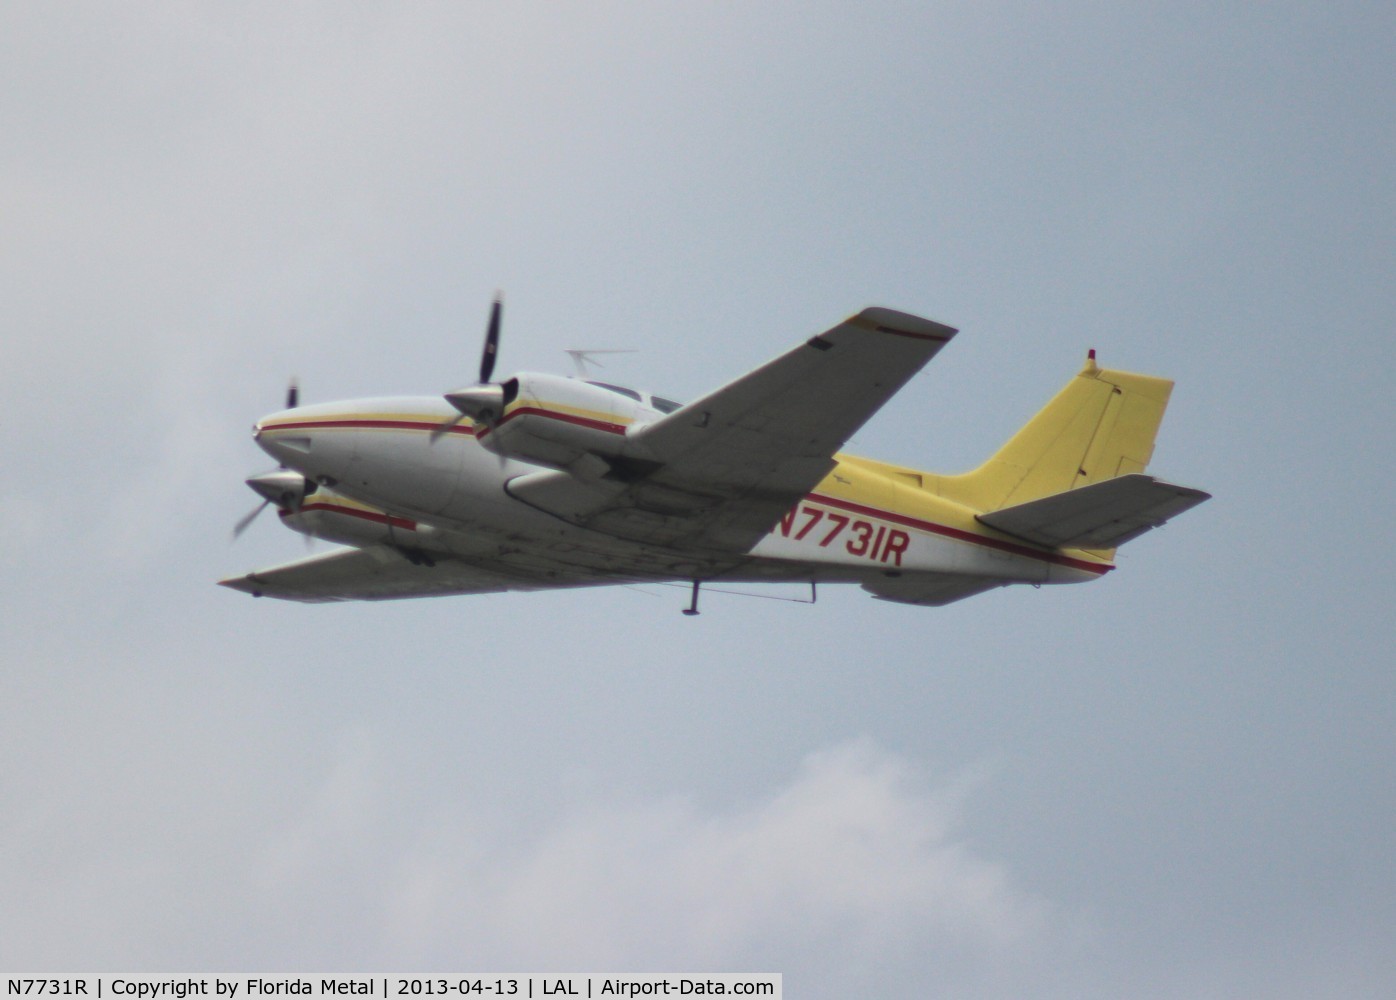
(246, 520)
(282, 487)
(484, 401)
(491, 340)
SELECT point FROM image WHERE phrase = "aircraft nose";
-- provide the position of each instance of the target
(284, 443)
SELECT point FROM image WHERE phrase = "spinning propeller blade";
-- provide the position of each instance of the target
(446, 426)
(491, 340)
(482, 401)
(247, 519)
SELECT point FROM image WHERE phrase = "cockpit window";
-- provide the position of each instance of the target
(664, 405)
(631, 393)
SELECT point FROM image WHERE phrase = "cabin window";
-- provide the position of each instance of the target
(630, 393)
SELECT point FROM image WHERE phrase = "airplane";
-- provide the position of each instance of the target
(541, 482)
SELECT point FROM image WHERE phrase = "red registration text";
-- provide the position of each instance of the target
(877, 542)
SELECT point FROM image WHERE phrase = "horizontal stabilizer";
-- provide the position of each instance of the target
(1100, 516)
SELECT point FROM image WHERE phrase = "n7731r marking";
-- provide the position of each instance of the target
(881, 545)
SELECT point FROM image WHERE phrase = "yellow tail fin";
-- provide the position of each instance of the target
(1100, 426)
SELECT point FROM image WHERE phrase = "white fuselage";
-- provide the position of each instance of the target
(389, 474)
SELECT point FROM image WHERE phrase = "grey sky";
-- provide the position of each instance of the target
(1177, 782)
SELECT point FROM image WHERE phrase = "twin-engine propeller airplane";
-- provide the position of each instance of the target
(541, 482)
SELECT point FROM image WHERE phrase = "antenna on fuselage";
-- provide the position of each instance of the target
(582, 358)
(697, 585)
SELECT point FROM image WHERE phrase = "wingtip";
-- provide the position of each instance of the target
(884, 320)
(246, 584)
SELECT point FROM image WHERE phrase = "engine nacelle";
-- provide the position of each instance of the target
(337, 518)
(565, 423)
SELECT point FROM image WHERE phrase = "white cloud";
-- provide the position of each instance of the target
(852, 872)
(849, 851)
(854, 863)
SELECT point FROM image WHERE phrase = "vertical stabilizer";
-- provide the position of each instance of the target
(1100, 426)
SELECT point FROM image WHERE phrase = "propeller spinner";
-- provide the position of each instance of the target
(484, 401)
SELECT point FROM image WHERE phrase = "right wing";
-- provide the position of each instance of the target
(718, 472)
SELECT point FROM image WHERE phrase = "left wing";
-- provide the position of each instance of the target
(720, 471)
(380, 573)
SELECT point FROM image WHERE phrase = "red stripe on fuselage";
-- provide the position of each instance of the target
(960, 534)
(397, 425)
(609, 427)
(590, 423)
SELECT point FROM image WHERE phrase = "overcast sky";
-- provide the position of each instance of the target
(1177, 782)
